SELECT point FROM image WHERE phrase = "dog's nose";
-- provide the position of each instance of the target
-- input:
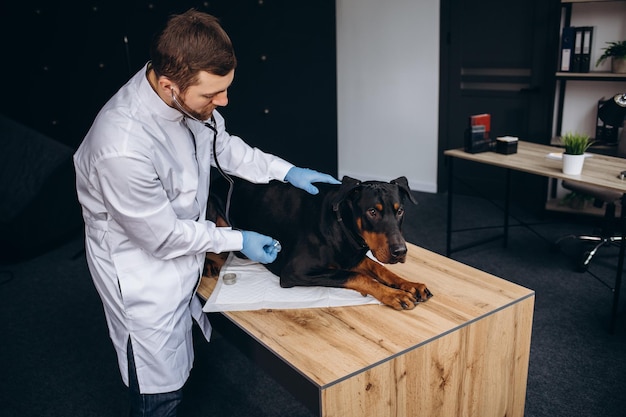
(398, 251)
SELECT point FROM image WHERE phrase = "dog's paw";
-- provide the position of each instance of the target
(418, 289)
(399, 300)
(424, 293)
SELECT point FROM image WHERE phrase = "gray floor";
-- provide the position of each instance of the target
(56, 358)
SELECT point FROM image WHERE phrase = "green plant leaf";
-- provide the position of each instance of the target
(615, 49)
(576, 143)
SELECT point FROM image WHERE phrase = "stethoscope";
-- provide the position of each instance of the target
(211, 125)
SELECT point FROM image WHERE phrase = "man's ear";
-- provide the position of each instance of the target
(167, 85)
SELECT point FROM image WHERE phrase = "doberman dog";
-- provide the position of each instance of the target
(325, 237)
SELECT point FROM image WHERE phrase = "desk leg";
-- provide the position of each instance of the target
(507, 206)
(449, 214)
(620, 266)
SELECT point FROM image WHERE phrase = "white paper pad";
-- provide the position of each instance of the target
(257, 288)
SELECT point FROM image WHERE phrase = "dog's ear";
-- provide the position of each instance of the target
(349, 180)
(348, 184)
(403, 184)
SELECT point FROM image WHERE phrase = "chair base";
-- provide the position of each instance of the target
(588, 255)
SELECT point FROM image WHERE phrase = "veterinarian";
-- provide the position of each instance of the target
(142, 178)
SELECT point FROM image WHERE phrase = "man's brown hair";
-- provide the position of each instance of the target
(192, 42)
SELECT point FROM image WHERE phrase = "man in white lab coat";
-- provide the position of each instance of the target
(142, 178)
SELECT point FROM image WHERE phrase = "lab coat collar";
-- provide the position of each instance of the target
(152, 99)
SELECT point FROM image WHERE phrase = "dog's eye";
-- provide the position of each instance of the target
(400, 212)
(372, 212)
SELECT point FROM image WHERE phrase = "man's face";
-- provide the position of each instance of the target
(208, 94)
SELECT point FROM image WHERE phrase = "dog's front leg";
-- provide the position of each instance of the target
(373, 276)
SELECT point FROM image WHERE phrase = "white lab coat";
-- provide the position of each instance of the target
(144, 193)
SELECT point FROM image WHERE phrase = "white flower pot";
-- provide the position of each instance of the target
(573, 164)
(618, 65)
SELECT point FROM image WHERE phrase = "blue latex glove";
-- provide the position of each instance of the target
(259, 248)
(304, 178)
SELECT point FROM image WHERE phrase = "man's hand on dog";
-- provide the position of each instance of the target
(259, 248)
(304, 178)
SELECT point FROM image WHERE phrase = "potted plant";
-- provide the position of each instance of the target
(575, 145)
(577, 201)
(617, 52)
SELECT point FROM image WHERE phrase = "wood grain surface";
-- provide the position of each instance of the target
(531, 157)
(330, 344)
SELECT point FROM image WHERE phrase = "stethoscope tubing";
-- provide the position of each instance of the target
(211, 125)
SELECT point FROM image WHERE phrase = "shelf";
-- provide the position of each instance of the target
(555, 204)
(591, 76)
(563, 78)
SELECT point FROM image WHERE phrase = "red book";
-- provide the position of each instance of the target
(481, 120)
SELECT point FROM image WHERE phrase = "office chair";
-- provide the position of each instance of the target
(609, 233)
(611, 112)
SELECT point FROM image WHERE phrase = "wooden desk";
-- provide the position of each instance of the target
(598, 170)
(464, 352)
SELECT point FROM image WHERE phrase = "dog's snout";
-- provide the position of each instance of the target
(398, 251)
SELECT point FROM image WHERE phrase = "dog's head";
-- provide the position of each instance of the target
(376, 210)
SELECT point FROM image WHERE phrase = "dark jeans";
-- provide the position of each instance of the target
(149, 405)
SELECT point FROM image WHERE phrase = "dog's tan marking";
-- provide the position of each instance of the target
(378, 244)
(390, 289)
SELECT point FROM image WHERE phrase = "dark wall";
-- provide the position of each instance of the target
(38, 205)
(63, 59)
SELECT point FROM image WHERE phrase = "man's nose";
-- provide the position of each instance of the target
(221, 99)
